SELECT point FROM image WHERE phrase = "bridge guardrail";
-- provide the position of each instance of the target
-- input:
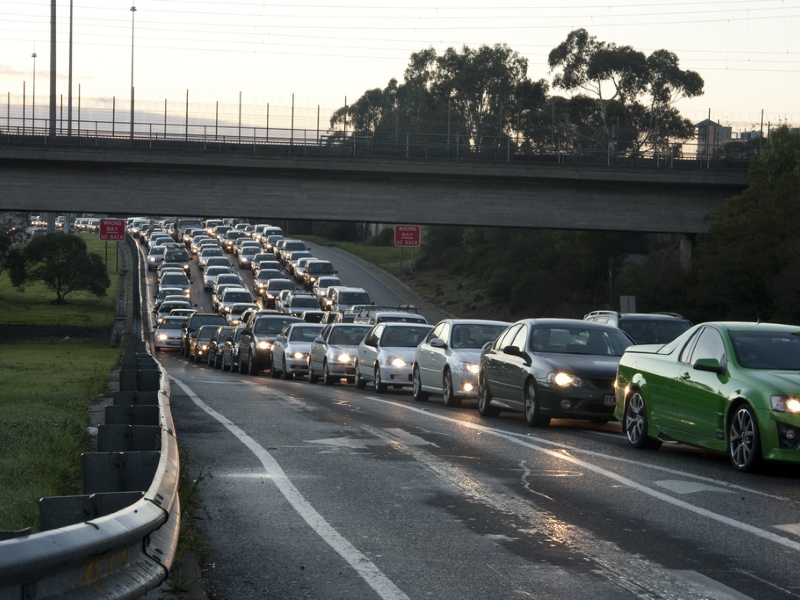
(119, 538)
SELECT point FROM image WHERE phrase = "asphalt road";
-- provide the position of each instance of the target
(314, 492)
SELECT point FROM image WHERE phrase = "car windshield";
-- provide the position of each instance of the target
(304, 334)
(656, 331)
(403, 337)
(304, 302)
(350, 335)
(578, 340)
(237, 296)
(271, 325)
(353, 298)
(772, 350)
(280, 284)
(474, 335)
(177, 255)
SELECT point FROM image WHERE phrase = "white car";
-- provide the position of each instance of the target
(210, 275)
(386, 354)
(168, 334)
(290, 349)
(333, 354)
(447, 360)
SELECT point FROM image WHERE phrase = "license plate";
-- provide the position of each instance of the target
(610, 400)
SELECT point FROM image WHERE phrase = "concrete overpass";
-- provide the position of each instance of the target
(190, 179)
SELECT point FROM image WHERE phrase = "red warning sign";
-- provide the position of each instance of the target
(407, 235)
(112, 230)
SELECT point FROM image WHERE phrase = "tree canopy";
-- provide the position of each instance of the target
(482, 97)
(62, 263)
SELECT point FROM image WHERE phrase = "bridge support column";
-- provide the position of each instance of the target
(687, 241)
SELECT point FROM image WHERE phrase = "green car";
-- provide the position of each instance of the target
(726, 386)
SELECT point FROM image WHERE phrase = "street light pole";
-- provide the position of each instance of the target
(33, 101)
(133, 14)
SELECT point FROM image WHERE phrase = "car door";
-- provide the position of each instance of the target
(432, 356)
(318, 350)
(368, 352)
(517, 365)
(699, 401)
(493, 363)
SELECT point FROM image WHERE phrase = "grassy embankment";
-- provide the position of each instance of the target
(49, 381)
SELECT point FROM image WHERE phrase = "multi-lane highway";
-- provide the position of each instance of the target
(310, 491)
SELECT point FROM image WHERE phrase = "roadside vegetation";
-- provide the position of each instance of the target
(54, 362)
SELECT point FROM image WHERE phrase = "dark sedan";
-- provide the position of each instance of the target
(552, 368)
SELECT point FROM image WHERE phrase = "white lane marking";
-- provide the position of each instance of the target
(790, 527)
(690, 487)
(766, 535)
(370, 573)
(409, 439)
(348, 442)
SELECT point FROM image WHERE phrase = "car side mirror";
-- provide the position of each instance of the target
(708, 364)
(370, 343)
(512, 350)
(319, 340)
(438, 343)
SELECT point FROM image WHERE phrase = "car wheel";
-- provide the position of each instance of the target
(242, 365)
(450, 398)
(532, 407)
(225, 367)
(485, 407)
(211, 363)
(285, 371)
(634, 424)
(360, 381)
(416, 386)
(744, 440)
(273, 372)
(380, 387)
(252, 369)
(312, 377)
(326, 374)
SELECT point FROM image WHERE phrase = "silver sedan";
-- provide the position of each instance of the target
(333, 353)
(446, 362)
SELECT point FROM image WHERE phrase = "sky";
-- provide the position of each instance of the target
(324, 53)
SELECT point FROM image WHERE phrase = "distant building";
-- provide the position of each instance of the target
(711, 138)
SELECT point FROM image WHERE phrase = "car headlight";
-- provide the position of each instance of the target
(469, 367)
(786, 404)
(298, 355)
(562, 379)
(396, 361)
(162, 336)
(264, 345)
(344, 358)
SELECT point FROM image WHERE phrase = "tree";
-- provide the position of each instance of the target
(747, 265)
(63, 263)
(11, 234)
(646, 88)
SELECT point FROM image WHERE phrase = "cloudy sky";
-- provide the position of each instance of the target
(748, 52)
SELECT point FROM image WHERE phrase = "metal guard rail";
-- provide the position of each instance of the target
(122, 555)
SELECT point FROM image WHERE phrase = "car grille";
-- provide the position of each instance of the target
(603, 384)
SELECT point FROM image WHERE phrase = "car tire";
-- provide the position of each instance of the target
(312, 377)
(485, 407)
(380, 387)
(450, 398)
(533, 408)
(252, 368)
(273, 371)
(326, 374)
(360, 382)
(635, 423)
(225, 367)
(416, 386)
(744, 439)
(285, 371)
(242, 370)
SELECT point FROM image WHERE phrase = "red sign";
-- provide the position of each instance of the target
(407, 235)
(112, 230)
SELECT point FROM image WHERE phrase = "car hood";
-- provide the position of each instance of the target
(468, 355)
(407, 354)
(583, 365)
(787, 382)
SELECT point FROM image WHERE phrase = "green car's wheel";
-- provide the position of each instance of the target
(634, 424)
(532, 408)
(744, 441)
(485, 407)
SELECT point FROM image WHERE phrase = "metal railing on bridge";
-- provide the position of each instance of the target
(401, 145)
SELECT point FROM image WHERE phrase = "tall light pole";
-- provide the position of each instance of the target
(133, 14)
(33, 101)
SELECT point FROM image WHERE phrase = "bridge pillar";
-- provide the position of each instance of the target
(687, 241)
